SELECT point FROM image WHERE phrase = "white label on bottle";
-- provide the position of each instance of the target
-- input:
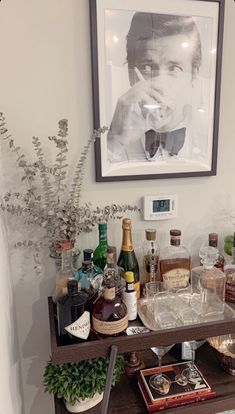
(110, 328)
(109, 293)
(81, 327)
(186, 352)
(176, 278)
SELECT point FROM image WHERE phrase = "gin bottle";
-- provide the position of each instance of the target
(73, 319)
(229, 270)
(100, 252)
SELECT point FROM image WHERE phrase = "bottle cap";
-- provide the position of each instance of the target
(72, 286)
(150, 234)
(213, 236)
(175, 232)
(87, 254)
(129, 277)
(126, 223)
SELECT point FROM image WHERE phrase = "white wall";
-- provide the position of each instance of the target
(45, 74)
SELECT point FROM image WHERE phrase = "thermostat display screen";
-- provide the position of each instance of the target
(161, 206)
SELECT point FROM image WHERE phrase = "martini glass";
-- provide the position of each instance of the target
(191, 373)
(160, 382)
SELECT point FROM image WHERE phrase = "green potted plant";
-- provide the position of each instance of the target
(80, 384)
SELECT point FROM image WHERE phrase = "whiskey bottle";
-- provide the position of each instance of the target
(151, 256)
(175, 263)
(127, 258)
(109, 316)
(100, 252)
(73, 319)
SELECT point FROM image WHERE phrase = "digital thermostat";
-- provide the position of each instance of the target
(160, 207)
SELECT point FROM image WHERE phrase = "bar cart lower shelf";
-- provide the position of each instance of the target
(126, 397)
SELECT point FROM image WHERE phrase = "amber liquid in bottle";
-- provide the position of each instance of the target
(109, 316)
(175, 263)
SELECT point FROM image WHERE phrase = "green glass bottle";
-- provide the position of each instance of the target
(127, 258)
(100, 252)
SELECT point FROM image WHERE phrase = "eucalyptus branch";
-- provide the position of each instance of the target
(43, 170)
(29, 173)
(61, 165)
(76, 186)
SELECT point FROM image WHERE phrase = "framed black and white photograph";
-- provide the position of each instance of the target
(156, 71)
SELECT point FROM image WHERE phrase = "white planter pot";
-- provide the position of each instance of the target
(83, 405)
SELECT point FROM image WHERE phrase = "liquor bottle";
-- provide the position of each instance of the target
(66, 271)
(130, 297)
(95, 273)
(109, 316)
(229, 270)
(127, 258)
(209, 282)
(151, 256)
(100, 252)
(73, 319)
(175, 263)
(111, 268)
(213, 242)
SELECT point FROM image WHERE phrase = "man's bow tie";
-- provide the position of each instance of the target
(171, 141)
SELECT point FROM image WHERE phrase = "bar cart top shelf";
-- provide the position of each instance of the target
(96, 348)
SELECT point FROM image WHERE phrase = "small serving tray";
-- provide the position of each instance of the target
(148, 319)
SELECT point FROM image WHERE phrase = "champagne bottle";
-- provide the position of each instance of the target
(127, 258)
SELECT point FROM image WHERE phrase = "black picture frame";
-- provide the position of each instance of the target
(210, 20)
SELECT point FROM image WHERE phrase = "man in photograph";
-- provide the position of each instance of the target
(153, 120)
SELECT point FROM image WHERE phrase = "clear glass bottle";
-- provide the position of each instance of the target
(66, 271)
(151, 256)
(100, 252)
(127, 258)
(109, 317)
(229, 270)
(175, 263)
(73, 319)
(213, 242)
(209, 282)
(111, 268)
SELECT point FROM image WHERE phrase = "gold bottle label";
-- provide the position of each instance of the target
(110, 328)
(127, 245)
(176, 278)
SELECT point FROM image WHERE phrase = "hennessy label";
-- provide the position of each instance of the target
(176, 278)
(110, 328)
(81, 327)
